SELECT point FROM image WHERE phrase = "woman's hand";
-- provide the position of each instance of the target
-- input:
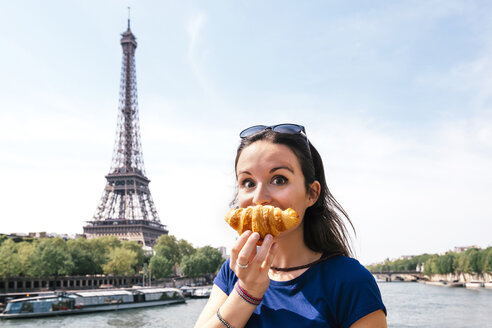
(251, 266)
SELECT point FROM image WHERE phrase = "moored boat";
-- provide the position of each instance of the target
(473, 284)
(203, 292)
(90, 301)
(455, 283)
(488, 284)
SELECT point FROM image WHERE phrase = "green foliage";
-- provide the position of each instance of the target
(206, 260)
(214, 258)
(167, 247)
(121, 262)
(430, 267)
(51, 258)
(477, 259)
(472, 261)
(488, 260)
(185, 248)
(9, 263)
(161, 267)
(193, 265)
(55, 257)
(25, 253)
(99, 250)
(446, 263)
(83, 257)
(135, 247)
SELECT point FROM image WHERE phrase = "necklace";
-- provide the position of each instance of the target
(322, 259)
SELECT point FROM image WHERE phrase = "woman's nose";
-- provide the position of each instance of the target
(261, 195)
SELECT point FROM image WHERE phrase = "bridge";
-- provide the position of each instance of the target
(402, 275)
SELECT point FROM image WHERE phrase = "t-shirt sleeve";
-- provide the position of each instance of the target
(361, 296)
(225, 277)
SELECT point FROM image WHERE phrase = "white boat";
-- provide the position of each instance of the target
(454, 283)
(488, 284)
(202, 292)
(473, 284)
(90, 301)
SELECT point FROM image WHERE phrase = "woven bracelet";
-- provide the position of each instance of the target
(225, 323)
(245, 296)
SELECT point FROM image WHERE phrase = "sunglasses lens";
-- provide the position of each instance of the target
(252, 130)
(288, 128)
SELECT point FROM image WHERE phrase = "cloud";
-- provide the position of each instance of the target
(196, 50)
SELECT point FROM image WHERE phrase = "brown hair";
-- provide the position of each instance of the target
(324, 228)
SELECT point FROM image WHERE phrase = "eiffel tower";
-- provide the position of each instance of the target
(126, 209)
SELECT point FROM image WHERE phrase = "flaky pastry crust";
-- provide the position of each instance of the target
(264, 219)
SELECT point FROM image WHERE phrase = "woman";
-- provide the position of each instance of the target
(304, 277)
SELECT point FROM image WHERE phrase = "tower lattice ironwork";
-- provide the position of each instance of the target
(126, 209)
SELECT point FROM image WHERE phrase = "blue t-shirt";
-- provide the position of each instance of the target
(333, 293)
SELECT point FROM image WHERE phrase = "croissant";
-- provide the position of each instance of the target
(264, 219)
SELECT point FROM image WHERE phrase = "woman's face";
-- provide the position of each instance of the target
(270, 174)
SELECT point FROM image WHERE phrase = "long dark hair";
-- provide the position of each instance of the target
(324, 228)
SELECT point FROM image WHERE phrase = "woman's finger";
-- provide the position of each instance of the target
(248, 249)
(270, 256)
(238, 246)
(263, 251)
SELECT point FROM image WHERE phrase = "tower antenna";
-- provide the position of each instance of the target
(128, 17)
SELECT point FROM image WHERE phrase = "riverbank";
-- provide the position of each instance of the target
(461, 278)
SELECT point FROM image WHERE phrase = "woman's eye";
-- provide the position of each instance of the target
(248, 183)
(279, 180)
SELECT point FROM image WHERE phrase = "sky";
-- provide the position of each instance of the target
(396, 96)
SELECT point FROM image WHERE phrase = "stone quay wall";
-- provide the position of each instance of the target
(463, 277)
(26, 285)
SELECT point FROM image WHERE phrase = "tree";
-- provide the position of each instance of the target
(167, 247)
(206, 260)
(185, 248)
(193, 265)
(83, 257)
(487, 263)
(51, 258)
(9, 264)
(214, 258)
(134, 246)
(25, 253)
(3, 238)
(430, 267)
(476, 258)
(121, 262)
(161, 267)
(100, 249)
(446, 263)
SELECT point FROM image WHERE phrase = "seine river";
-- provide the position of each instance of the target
(408, 304)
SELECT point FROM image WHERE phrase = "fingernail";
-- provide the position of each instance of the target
(268, 237)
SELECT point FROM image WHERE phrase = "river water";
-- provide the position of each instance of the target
(408, 304)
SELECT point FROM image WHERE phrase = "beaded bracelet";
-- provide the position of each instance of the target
(245, 296)
(225, 323)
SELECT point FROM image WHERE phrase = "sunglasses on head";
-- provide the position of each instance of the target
(280, 128)
(287, 128)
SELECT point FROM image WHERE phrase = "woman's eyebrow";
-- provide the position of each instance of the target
(243, 172)
(281, 167)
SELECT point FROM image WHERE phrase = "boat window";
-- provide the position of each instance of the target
(153, 296)
(26, 307)
(41, 307)
(62, 305)
(13, 307)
